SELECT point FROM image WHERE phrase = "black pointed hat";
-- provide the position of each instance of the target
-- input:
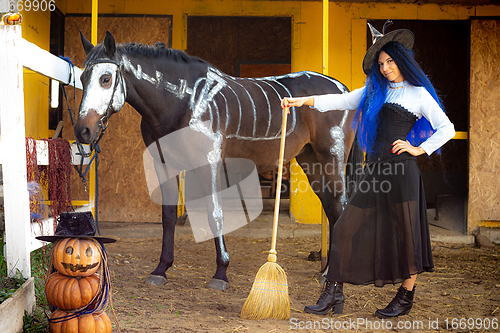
(403, 36)
(75, 225)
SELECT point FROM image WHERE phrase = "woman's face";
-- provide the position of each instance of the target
(388, 68)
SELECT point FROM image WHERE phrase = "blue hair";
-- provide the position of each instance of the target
(366, 120)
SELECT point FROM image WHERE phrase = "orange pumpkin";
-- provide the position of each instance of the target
(14, 17)
(76, 257)
(70, 293)
(88, 323)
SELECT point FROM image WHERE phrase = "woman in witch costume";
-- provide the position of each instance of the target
(382, 235)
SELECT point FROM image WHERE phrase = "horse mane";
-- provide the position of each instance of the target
(156, 50)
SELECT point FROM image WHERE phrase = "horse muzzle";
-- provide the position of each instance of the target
(87, 127)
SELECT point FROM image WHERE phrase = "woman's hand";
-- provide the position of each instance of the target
(400, 146)
(297, 102)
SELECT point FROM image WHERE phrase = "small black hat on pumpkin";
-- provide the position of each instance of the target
(75, 225)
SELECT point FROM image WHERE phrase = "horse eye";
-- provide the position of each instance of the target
(69, 250)
(105, 80)
(89, 252)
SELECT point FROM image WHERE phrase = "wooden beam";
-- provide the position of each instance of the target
(324, 219)
(325, 35)
(15, 187)
(43, 62)
(42, 153)
(461, 135)
(95, 13)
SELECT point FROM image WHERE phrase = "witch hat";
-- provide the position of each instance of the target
(403, 36)
(75, 225)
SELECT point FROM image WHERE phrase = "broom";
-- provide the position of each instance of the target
(268, 297)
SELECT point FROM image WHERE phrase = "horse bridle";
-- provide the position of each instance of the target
(103, 121)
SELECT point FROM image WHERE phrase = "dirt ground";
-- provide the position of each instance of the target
(462, 295)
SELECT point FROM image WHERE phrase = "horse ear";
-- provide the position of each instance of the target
(87, 45)
(109, 44)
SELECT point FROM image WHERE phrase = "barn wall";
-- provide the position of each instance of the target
(484, 136)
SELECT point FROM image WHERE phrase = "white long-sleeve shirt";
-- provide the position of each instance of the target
(417, 100)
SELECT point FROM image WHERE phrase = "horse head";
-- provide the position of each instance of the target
(104, 89)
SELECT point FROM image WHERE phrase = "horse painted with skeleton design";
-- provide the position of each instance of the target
(241, 118)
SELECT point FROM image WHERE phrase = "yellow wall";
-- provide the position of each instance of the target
(347, 37)
(36, 29)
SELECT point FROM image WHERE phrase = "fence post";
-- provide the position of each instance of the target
(13, 145)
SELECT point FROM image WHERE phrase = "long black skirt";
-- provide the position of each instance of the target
(382, 235)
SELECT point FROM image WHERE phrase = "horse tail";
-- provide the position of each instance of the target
(354, 167)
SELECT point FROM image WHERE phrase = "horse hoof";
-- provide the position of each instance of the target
(156, 280)
(182, 220)
(314, 256)
(218, 284)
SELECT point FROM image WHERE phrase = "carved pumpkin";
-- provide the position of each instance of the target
(12, 18)
(76, 257)
(88, 323)
(70, 293)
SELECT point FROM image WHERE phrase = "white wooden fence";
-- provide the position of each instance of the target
(16, 53)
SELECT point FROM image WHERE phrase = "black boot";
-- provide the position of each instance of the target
(332, 297)
(400, 305)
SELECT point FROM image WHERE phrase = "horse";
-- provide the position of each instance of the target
(241, 117)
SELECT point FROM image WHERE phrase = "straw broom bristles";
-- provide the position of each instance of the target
(268, 297)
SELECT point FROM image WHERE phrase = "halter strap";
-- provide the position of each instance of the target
(104, 61)
(103, 121)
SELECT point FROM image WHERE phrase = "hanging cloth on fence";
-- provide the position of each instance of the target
(55, 177)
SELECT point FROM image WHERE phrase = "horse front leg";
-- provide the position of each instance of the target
(169, 218)
(169, 195)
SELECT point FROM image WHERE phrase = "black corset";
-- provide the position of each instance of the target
(395, 123)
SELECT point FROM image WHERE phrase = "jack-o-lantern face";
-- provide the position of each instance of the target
(76, 257)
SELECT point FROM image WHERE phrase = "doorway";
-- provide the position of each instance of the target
(245, 47)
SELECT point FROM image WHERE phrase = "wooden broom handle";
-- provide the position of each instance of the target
(278, 186)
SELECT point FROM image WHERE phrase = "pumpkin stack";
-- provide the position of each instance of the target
(75, 289)
(79, 285)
